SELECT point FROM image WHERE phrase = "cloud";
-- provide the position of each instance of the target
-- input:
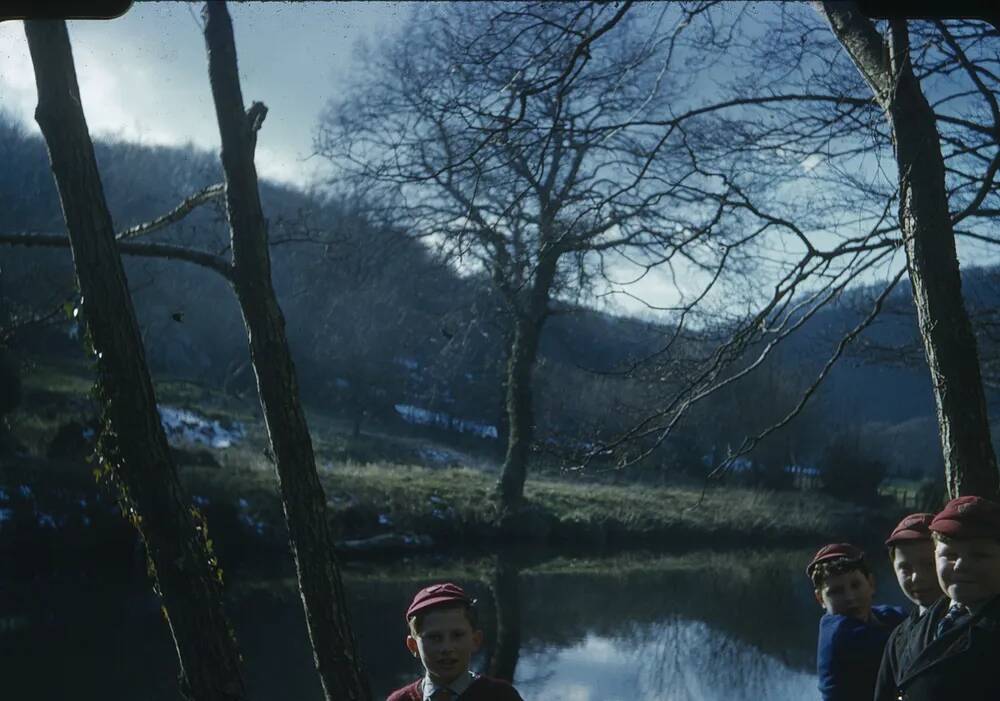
(17, 77)
(144, 77)
(811, 161)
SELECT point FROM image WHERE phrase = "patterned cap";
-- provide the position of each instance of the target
(435, 595)
(968, 517)
(834, 551)
(913, 527)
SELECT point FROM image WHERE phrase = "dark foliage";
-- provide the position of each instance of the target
(10, 384)
(849, 472)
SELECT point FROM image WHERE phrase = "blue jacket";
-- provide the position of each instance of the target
(849, 653)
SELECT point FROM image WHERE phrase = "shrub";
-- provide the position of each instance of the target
(849, 472)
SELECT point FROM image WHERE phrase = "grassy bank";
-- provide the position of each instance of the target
(455, 505)
(375, 492)
(393, 507)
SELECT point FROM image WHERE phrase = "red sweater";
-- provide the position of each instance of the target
(481, 689)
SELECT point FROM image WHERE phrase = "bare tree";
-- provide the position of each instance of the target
(485, 131)
(810, 123)
(928, 233)
(133, 447)
(806, 151)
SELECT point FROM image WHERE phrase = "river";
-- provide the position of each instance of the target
(698, 626)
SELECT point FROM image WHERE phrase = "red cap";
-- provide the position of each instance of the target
(834, 551)
(913, 527)
(968, 517)
(435, 595)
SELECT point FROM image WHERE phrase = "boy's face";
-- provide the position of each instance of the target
(913, 564)
(445, 643)
(969, 570)
(847, 594)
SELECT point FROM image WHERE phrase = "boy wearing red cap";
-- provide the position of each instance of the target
(953, 650)
(853, 631)
(443, 634)
(911, 552)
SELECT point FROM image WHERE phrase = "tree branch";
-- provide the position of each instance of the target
(864, 45)
(149, 250)
(175, 215)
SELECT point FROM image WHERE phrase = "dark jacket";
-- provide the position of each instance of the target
(887, 673)
(482, 689)
(962, 664)
(849, 652)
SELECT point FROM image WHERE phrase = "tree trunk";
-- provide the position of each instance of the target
(133, 446)
(503, 418)
(932, 262)
(303, 499)
(949, 342)
(520, 413)
(520, 369)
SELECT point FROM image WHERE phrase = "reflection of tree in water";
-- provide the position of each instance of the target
(756, 599)
(680, 659)
(672, 660)
(543, 670)
(507, 601)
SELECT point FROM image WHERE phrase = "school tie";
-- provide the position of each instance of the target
(954, 614)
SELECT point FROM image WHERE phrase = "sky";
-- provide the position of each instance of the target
(144, 76)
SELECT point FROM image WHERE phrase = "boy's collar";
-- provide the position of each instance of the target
(457, 687)
(976, 609)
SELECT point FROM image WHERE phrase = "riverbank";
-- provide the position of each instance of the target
(455, 505)
(378, 501)
(377, 508)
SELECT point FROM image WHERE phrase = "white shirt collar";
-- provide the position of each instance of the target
(457, 687)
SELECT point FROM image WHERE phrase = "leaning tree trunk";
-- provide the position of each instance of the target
(133, 446)
(520, 371)
(334, 647)
(929, 237)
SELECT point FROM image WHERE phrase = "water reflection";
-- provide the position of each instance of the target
(676, 660)
(701, 626)
(506, 647)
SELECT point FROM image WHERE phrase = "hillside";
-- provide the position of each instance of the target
(382, 331)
